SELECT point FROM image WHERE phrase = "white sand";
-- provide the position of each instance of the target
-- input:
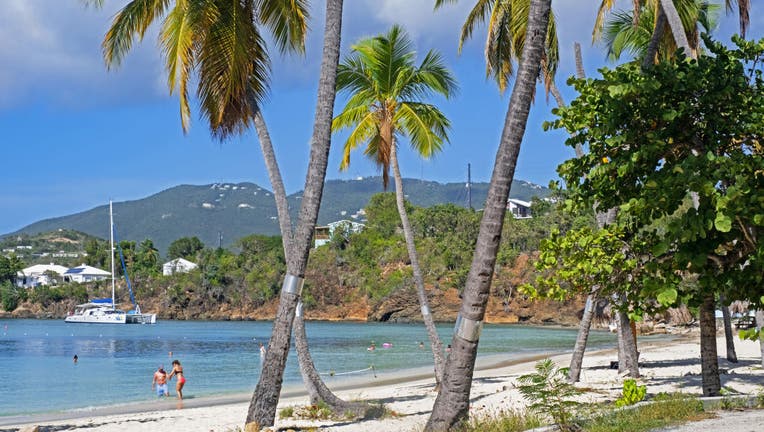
(666, 366)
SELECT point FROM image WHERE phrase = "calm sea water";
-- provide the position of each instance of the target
(116, 362)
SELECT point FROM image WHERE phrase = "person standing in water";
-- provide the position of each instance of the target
(177, 370)
(160, 381)
(262, 351)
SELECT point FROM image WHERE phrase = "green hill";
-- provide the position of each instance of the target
(227, 211)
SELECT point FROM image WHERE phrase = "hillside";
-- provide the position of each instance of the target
(232, 211)
(62, 246)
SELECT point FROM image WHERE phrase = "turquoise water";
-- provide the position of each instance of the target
(116, 362)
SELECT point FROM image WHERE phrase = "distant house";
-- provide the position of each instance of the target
(40, 274)
(178, 265)
(323, 234)
(519, 209)
(86, 273)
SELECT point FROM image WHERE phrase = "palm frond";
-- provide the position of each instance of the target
(233, 69)
(743, 10)
(477, 16)
(425, 125)
(130, 23)
(599, 22)
(365, 131)
(287, 21)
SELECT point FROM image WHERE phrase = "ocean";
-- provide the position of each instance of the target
(116, 362)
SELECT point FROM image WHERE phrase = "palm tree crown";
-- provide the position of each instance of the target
(620, 34)
(386, 92)
(219, 40)
(507, 22)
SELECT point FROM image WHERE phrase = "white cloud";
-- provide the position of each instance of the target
(52, 50)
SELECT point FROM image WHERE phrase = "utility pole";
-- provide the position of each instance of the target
(469, 187)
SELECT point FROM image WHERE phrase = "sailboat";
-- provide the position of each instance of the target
(104, 311)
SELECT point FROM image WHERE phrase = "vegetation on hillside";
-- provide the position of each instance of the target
(370, 265)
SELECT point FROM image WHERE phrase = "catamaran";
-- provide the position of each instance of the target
(104, 311)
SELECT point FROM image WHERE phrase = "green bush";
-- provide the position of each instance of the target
(632, 393)
(550, 393)
(10, 296)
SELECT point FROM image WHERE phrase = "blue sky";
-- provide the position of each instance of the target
(75, 135)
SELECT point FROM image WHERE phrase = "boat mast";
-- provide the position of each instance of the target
(469, 188)
(111, 247)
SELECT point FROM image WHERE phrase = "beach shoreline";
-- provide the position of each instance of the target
(667, 364)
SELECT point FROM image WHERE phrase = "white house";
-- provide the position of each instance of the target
(519, 209)
(178, 265)
(323, 234)
(39, 274)
(86, 273)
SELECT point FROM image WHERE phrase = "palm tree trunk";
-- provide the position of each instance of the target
(274, 174)
(408, 233)
(655, 39)
(574, 373)
(262, 407)
(728, 335)
(452, 404)
(628, 359)
(580, 73)
(676, 26)
(760, 327)
(708, 356)
(317, 389)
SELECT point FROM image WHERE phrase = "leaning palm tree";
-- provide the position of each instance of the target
(386, 103)
(222, 42)
(452, 403)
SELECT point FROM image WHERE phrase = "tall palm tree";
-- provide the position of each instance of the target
(452, 404)
(222, 42)
(507, 22)
(262, 408)
(386, 102)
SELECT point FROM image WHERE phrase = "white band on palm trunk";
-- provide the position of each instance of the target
(468, 329)
(298, 310)
(292, 284)
(425, 310)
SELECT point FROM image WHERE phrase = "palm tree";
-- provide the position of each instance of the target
(507, 22)
(667, 13)
(621, 35)
(386, 91)
(452, 403)
(222, 42)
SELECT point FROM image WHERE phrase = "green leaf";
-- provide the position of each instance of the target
(723, 223)
(667, 297)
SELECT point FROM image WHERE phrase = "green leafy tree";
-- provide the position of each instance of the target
(97, 253)
(9, 267)
(147, 259)
(185, 247)
(689, 189)
(387, 93)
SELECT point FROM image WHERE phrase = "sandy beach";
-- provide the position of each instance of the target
(667, 365)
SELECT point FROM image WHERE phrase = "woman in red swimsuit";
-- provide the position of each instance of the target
(177, 369)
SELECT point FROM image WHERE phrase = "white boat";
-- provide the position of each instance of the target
(98, 311)
(104, 311)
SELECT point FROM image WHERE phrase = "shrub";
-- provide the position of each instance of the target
(10, 296)
(550, 393)
(632, 393)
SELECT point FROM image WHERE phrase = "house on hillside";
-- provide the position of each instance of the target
(40, 274)
(178, 265)
(519, 209)
(85, 273)
(323, 234)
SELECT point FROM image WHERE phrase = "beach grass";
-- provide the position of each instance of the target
(506, 421)
(666, 410)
